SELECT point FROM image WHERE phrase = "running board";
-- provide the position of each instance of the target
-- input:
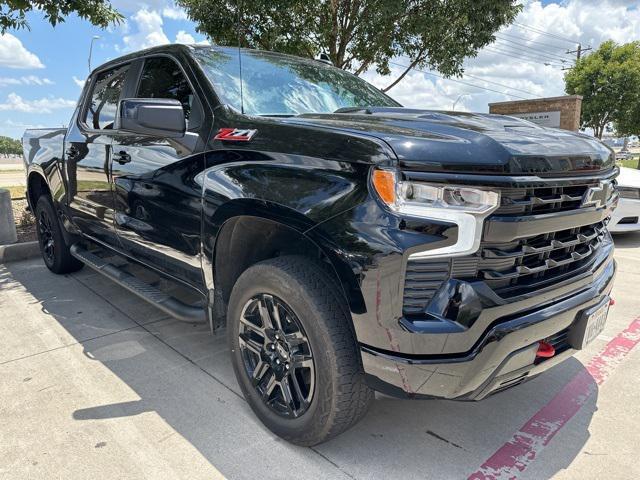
(166, 303)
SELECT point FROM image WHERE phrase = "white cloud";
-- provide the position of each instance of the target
(184, 37)
(175, 13)
(14, 55)
(587, 21)
(25, 80)
(187, 38)
(78, 81)
(15, 103)
(21, 125)
(6, 81)
(149, 31)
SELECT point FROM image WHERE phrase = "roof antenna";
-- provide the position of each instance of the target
(239, 4)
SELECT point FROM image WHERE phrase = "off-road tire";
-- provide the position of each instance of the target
(60, 260)
(341, 397)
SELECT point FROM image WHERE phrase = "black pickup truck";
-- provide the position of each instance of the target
(345, 243)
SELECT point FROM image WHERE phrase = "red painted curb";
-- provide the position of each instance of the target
(517, 454)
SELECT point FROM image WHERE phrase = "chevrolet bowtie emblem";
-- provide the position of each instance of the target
(597, 196)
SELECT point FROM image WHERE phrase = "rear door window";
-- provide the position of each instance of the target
(101, 111)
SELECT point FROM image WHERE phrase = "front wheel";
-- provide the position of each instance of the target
(293, 352)
(54, 249)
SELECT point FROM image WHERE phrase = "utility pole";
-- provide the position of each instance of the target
(578, 51)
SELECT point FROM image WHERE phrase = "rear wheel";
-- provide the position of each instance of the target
(54, 249)
(293, 353)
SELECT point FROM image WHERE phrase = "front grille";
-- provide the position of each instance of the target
(535, 200)
(558, 251)
(422, 279)
(559, 341)
(535, 262)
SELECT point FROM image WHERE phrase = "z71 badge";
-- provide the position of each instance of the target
(235, 134)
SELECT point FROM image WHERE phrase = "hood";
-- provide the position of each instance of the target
(460, 141)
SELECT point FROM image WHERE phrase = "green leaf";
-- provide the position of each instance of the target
(358, 34)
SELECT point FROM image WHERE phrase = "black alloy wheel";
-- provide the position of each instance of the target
(293, 352)
(46, 238)
(277, 355)
(53, 246)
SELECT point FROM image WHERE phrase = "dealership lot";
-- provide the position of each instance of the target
(96, 383)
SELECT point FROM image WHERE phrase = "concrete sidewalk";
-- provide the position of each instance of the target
(95, 383)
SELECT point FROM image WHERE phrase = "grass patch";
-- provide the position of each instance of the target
(629, 163)
(17, 191)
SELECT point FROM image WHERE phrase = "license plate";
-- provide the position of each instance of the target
(590, 326)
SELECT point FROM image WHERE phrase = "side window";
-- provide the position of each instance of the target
(162, 78)
(101, 112)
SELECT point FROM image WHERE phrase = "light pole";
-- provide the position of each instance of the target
(453, 108)
(93, 39)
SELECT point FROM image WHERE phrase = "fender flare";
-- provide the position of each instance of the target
(291, 220)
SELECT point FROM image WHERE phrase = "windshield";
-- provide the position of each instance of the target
(274, 84)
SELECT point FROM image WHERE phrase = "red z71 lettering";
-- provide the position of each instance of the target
(235, 134)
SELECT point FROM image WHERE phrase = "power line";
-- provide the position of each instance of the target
(459, 81)
(525, 57)
(522, 54)
(500, 84)
(542, 32)
(558, 47)
(533, 49)
(530, 54)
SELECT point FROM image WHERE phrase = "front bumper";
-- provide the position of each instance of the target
(505, 354)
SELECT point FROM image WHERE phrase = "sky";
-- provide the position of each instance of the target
(42, 69)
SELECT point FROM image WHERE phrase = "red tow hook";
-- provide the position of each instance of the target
(545, 350)
(612, 301)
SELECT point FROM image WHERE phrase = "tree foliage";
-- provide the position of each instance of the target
(10, 146)
(609, 81)
(13, 13)
(359, 34)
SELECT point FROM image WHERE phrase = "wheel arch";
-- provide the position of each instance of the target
(37, 185)
(252, 231)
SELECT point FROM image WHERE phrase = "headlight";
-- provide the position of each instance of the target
(629, 192)
(465, 206)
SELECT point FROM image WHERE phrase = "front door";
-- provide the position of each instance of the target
(87, 150)
(157, 195)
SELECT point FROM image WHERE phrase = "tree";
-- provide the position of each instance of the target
(99, 12)
(609, 81)
(359, 34)
(9, 146)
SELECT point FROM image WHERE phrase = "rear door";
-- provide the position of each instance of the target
(157, 195)
(87, 143)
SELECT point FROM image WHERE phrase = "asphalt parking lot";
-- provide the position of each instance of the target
(95, 383)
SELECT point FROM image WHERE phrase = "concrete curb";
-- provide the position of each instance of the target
(18, 251)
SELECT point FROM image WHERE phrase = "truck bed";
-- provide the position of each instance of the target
(42, 145)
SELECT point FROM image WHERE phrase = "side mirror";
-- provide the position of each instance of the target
(156, 117)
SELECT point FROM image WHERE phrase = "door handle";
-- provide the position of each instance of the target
(122, 157)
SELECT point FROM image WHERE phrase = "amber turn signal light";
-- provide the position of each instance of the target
(384, 182)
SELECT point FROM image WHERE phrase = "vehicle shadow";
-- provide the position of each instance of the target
(183, 374)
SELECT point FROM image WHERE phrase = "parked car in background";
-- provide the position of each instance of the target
(346, 243)
(626, 218)
(624, 155)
